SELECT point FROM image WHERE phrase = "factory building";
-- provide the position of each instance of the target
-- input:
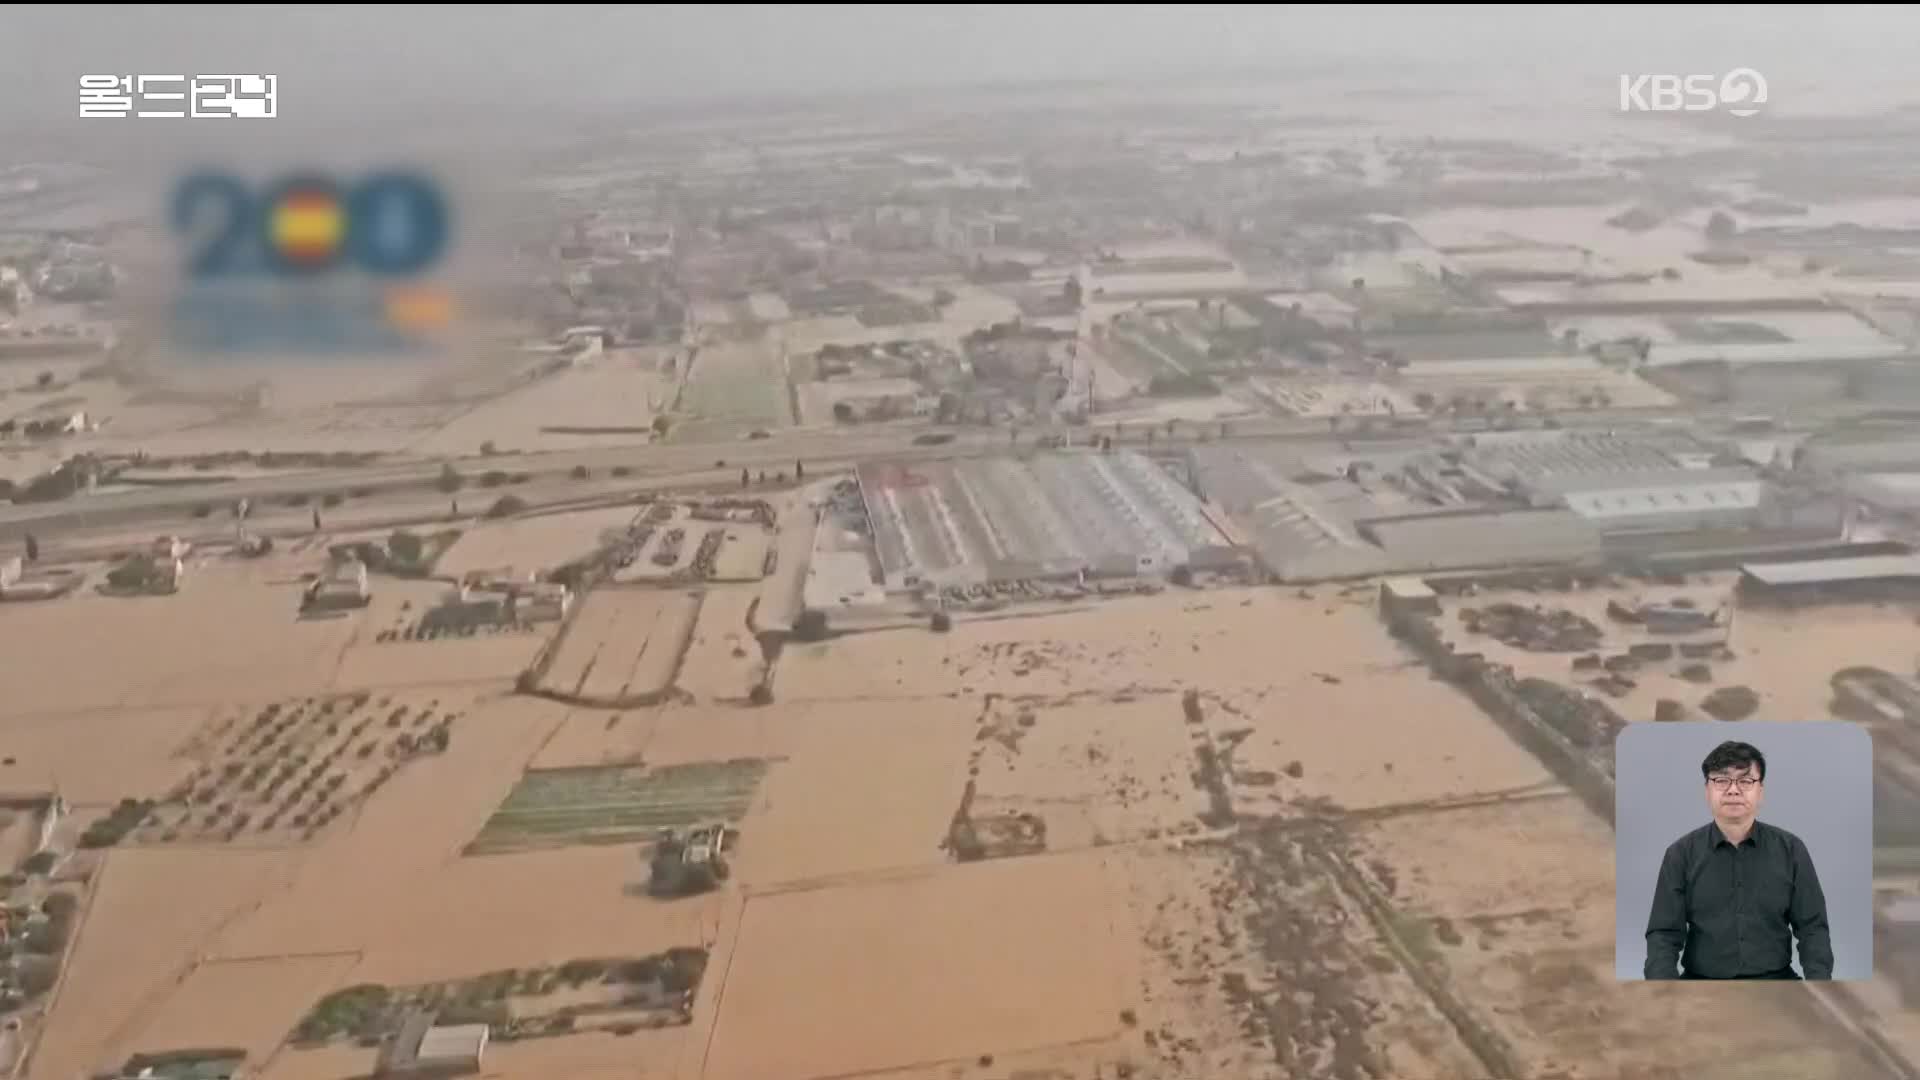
(1475, 540)
(965, 523)
(1678, 501)
(1874, 576)
(1834, 458)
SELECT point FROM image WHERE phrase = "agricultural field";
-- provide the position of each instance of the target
(415, 666)
(742, 555)
(240, 1003)
(97, 758)
(781, 592)
(723, 661)
(191, 408)
(383, 888)
(1135, 644)
(527, 545)
(625, 644)
(735, 388)
(674, 733)
(1013, 956)
(609, 401)
(1133, 359)
(286, 771)
(616, 995)
(1128, 782)
(862, 789)
(226, 636)
(618, 804)
(1174, 340)
(853, 786)
(152, 913)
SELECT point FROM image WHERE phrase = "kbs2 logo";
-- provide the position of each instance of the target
(390, 224)
(1740, 92)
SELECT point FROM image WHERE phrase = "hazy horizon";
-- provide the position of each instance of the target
(355, 56)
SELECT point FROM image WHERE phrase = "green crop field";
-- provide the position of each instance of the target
(733, 389)
(1174, 346)
(617, 804)
(742, 399)
(1132, 357)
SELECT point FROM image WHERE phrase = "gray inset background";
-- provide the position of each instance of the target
(1819, 787)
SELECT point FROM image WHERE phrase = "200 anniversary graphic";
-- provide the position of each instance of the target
(307, 262)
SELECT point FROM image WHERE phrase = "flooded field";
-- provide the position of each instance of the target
(939, 966)
(1529, 943)
(610, 401)
(523, 547)
(626, 644)
(743, 553)
(496, 657)
(99, 757)
(223, 637)
(1333, 920)
(244, 1003)
(1787, 658)
(723, 661)
(153, 916)
(735, 388)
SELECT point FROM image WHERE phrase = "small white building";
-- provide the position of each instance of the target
(423, 1048)
(542, 602)
(1408, 594)
(458, 1047)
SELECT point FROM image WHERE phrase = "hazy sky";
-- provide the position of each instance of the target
(356, 56)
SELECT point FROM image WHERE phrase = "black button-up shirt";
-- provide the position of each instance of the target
(1728, 912)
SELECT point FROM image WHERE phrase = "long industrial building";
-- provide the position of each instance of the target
(1499, 499)
(1053, 515)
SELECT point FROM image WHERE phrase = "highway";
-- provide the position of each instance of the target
(645, 461)
(670, 462)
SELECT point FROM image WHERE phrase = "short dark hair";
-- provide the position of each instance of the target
(1732, 755)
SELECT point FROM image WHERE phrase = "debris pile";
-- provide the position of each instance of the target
(669, 551)
(1581, 720)
(705, 555)
(1669, 711)
(1535, 629)
(1731, 703)
(1679, 616)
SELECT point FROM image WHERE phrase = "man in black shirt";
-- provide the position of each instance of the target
(1733, 894)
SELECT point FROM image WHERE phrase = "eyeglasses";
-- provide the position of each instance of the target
(1725, 783)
